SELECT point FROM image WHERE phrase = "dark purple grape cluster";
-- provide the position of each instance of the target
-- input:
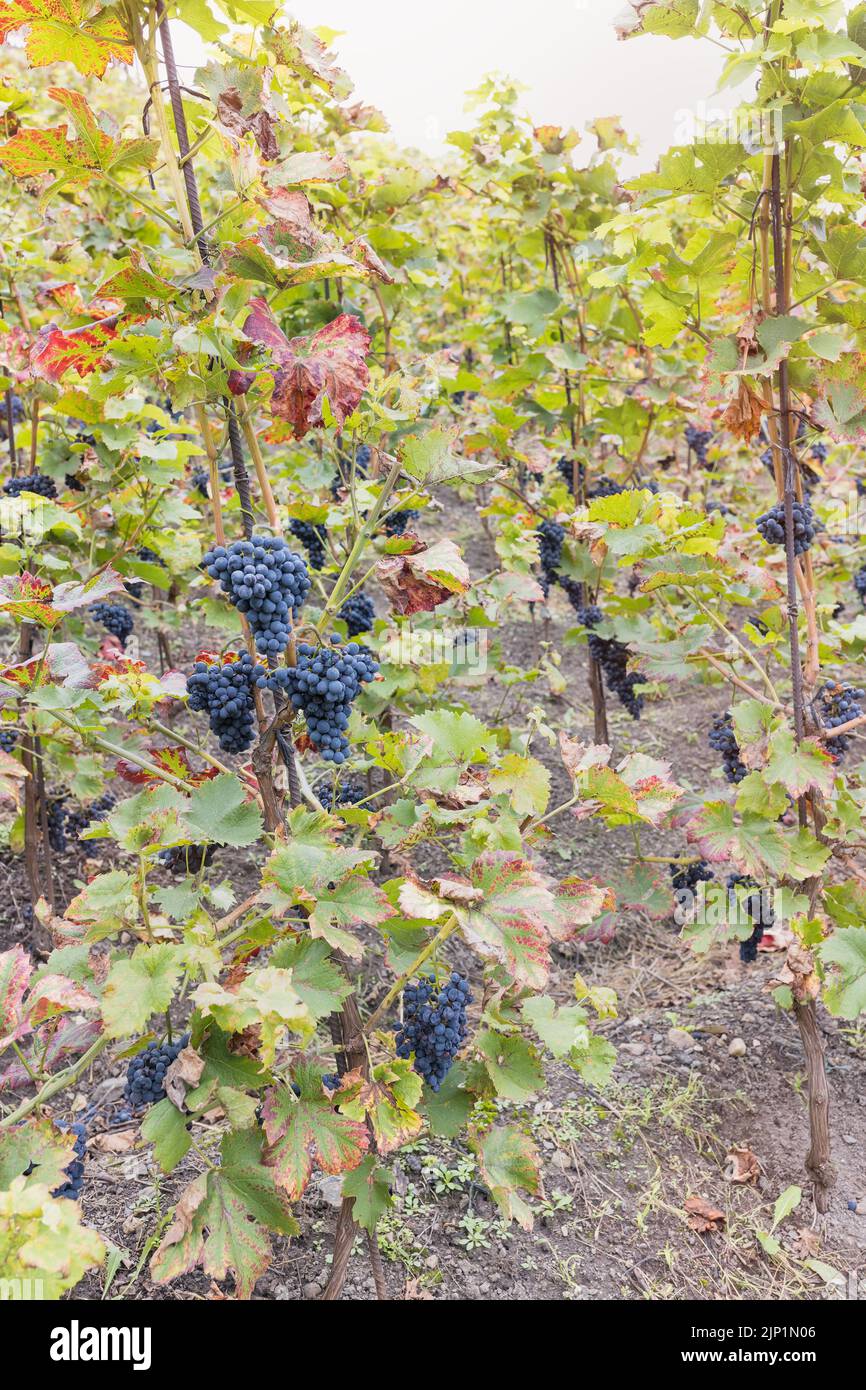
(312, 538)
(396, 523)
(612, 657)
(8, 739)
(55, 815)
(771, 526)
(550, 537)
(358, 614)
(722, 739)
(17, 407)
(114, 618)
(31, 482)
(758, 906)
(342, 793)
(226, 694)
(73, 482)
(186, 859)
(322, 686)
(201, 480)
(836, 705)
(265, 580)
(75, 1168)
(78, 820)
(603, 486)
(145, 1075)
(860, 584)
(686, 877)
(434, 1025)
(698, 441)
(565, 469)
(331, 1081)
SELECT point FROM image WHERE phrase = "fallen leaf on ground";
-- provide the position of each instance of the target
(703, 1216)
(741, 1165)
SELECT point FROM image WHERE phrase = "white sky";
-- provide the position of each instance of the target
(416, 61)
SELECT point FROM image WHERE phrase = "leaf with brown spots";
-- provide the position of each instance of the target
(512, 924)
(306, 1129)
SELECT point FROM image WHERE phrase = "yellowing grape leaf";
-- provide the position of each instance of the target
(67, 31)
(306, 1129)
(508, 1161)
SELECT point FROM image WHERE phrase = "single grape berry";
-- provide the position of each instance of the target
(434, 1026)
(771, 526)
(31, 482)
(75, 1168)
(722, 739)
(267, 581)
(322, 686)
(358, 614)
(114, 618)
(145, 1075)
(836, 705)
(226, 694)
(312, 538)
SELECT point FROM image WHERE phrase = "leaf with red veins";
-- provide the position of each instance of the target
(15, 968)
(577, 903)
(66, 295)
(304, 1130)
(512, 925)
(55, 353)
(72, 31)
(331, 363)
(28, 598)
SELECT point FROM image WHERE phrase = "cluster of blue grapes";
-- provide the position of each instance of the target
(186, 859)
(434, 1025)
(722, 739)
(363, 454)
(759, 908)
(17, 406)
(686, 877)
(837, 704)
(312, 538)
(265, 580)
(550, 537)
(331, 1081)
(201, 480)
(114, 618)
(612, 657)
(75, 1169)
(396, 523)
(860, 584)
(63, 823)
(8, 739)
(358, 614)
(226, 694)
(771, 526)
(602, 486)
(145, 1075)
(698, 442)
(343, 793)
(322, 686)
(32, 482)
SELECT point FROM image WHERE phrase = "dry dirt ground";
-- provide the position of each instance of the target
(618, 1165)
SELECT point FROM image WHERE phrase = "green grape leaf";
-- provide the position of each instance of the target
(369, 1186)
(138, 988)
(508, 1160)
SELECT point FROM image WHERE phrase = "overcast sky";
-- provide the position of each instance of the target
(416, 61)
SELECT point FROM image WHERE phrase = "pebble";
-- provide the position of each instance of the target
(561, 1160)
(312, 1290)
(737, 1047)
(680, 1039)
(635, 1049)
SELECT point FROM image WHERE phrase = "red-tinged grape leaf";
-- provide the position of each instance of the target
(369, 1187)
(54, 352)
(238, 120)
(15, 968)
(650, 781)
(12, 775)
(293, 249)
(130, 773)
(418, 580)
(66, 1039)
(15, 353)
(642, 885)
(308, 166)
(67, 295)
(332, 362)
(579, 757)
(222, 1219)
(134, 282)
(757, 847)
(240, 382)
(55, 994)
(28, 598)
(512, 925)
(305, 1130)
(68, 597)
(302, 51)
(508, 1161)
(67, 31)
(576, 903)
(388, 1100)
(63, 662)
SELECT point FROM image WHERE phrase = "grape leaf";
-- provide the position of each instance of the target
(369, 1186)
(138, 988)
(511, 924)
(219, 811)
(307, 1129)
(67, 31)
(508, 1161)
